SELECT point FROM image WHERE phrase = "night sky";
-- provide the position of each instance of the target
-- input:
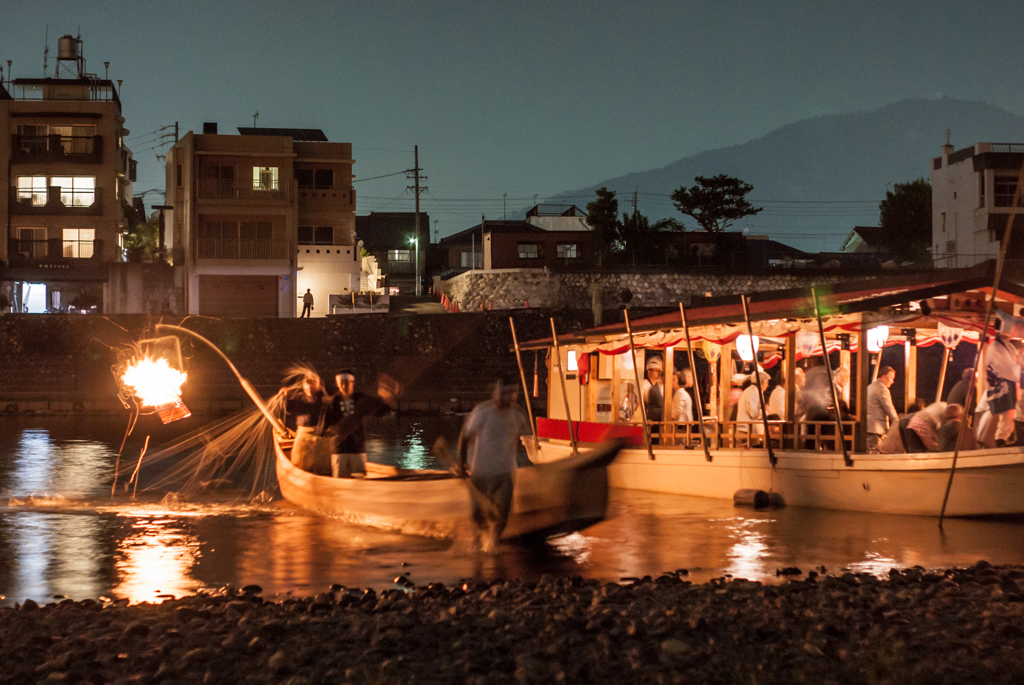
(520, 99)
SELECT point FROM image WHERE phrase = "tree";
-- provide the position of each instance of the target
(644, 238)
(603, 219)
(715, 202)
(905, 216)
(140, 237)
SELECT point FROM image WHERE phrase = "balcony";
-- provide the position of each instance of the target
(56, 149)
(229, 189)
(242, 249)
(54, 253)
(83, 203)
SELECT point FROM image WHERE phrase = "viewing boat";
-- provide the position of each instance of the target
(921, 327)
(549, 500)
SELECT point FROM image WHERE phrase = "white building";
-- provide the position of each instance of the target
(972, 191)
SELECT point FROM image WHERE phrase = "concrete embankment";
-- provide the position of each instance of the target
(957, 626)
(62, 363)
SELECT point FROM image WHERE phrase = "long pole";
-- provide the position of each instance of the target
(831, 382)
(640, 394)
(522, 376)
(696, 387)
(757, 382)
(942, 374)
(561, 377)
(416, 162)
(983, 338)
(249, 390)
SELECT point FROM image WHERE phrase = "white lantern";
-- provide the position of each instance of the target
(572, 366)
(876, 338)
(806, 341)
(747, 347)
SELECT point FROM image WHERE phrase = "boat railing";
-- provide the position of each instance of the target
(815, 436)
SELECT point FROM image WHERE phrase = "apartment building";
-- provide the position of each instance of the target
(972, 193)
(260, 217)
(68, 174)
(389, 237)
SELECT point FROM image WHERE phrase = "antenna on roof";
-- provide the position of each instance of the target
(254, 116)
(46, 49)
(947, 136)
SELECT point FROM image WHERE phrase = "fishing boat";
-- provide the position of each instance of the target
(549, 500)
(913, 322)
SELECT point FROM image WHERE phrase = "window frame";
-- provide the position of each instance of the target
(560, 248)
(523, 254)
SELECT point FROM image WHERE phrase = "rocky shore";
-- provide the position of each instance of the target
(959, 626)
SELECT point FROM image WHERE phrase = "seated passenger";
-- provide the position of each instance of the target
(926, 423)
(951, 421)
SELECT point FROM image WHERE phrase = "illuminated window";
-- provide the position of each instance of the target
(76, 191)
(399, 256)
(32, 190)
(566, 251)
(264, 178)
(78, 242)
(529, 250)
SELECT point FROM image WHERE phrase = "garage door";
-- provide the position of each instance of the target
(238, 295)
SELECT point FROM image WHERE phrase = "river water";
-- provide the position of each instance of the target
(62, 534)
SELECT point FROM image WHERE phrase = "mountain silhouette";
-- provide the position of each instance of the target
(819, 177)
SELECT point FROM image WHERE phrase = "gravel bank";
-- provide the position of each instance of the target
(961, 626)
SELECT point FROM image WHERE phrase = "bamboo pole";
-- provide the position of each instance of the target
(249, 390)
(831, 383)
(942, 374)
(561, 377)
(760, 389)
(983, 338)
(696, 388)
(522, 376)
(639, 388)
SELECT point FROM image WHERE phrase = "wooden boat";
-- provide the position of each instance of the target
(549, 500)
(811, 466)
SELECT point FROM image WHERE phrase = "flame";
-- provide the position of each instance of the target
(153, 381)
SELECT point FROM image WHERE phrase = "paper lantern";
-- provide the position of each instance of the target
(747, 347)
(876, 338)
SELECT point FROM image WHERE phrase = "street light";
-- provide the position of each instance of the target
(414, 241)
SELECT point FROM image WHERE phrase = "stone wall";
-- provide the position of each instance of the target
(474, 290)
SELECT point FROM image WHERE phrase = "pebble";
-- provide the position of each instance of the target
(915, 625)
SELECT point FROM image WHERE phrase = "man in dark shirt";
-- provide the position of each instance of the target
(307, 406)
(347, 417)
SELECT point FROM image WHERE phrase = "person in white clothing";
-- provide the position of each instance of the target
(749, 406)
(682, 401)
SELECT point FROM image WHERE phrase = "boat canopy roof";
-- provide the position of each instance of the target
(920, 300)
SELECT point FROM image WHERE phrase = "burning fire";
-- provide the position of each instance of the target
(157, 385)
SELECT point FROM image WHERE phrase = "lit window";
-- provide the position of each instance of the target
(78, 242)
(32, 190)
(528, 251)
(76, 191)
(399, 256)
(264, 178)
(566, 251)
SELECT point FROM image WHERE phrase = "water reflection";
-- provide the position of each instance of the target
(72, 539)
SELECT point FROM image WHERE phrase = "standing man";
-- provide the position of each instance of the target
(347, 418)
(488, 444)
(307, 304)
(881, 413)
(748, 413)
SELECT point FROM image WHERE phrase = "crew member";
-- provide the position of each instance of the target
(881, 412)
(347, 419)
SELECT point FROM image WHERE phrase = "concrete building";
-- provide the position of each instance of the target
(260, 217)
(68, 173)
(388, 237)
(972, 192)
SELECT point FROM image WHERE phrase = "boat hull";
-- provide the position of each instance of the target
(987, 482)
(549, 499)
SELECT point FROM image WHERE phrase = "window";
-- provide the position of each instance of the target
(399, 256)
(76, 191)
(316, 235)
(78, 242)
(32, 190)
(320, 179)
(529, 251)
(264, 178)
(179, 176)
(566, 251)
(237, 240)
(32, 242)
(73, 140)
(1002, 193)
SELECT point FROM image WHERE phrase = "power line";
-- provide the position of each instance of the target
(373, 178)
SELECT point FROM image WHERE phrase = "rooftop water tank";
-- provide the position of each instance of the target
(68, 47)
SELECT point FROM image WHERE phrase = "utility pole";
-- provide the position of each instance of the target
(175, 132)
(417, 189)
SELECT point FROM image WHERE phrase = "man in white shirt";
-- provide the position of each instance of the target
(748, 413)
(488, 444)
(881, 412)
